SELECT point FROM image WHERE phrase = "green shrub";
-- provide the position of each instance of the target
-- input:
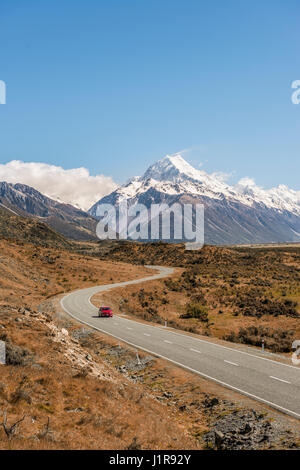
(196, 311)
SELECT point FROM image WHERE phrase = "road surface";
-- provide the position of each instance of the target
(250, 373)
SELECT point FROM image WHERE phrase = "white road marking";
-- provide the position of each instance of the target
(280, 380)
(236, 350)
(158, 276)
(195, 350)
(100, 288)
(166, 341)
(116, 323)
(128, 328)
(232, 363)
(225, 384)
(146, 334)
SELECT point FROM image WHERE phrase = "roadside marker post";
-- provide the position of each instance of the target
(2, 353)
(138, 358)
(263, 345)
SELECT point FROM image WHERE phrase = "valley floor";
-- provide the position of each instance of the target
(73, 388)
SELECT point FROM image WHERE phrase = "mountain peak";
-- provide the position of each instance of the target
(173, 175)
(244, 213)
(172, 168)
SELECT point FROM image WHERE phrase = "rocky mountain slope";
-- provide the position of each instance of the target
(25, 230)
(243, 213)
(19, 199)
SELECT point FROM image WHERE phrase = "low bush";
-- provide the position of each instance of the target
(17, 356)
(196, 311)
(275, 340)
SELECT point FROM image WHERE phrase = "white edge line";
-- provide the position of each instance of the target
(274, 405)
(200, 340)
(280, 380)
(232, 363)
(173, 332)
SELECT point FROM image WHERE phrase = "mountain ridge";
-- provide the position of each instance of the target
(26, 201)
(243, 213)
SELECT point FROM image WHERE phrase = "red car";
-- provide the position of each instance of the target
(105, 312)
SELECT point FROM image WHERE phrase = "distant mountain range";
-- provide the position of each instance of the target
(25, 201)
(233, 214)
(238, 214)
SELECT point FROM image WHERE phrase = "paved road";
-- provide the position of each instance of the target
(268, 381)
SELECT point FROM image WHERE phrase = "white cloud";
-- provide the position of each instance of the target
(181, 152)
(75, 186)
(221, 176)
(247, 186)
(244, 182)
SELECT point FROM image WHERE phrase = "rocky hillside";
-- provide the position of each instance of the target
(23, 200)
(66, 386)
(24, 230)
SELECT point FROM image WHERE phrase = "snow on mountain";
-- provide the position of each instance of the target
(173, 175)
(26, 201)
(281, 197)
(244, 213)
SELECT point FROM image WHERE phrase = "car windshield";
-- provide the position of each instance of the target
(105, 308)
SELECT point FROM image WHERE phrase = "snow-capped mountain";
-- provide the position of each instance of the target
(243, 213)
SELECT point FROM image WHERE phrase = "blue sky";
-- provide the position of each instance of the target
(114, 85)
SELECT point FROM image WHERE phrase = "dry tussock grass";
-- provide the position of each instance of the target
(63, 404)
(237, 289)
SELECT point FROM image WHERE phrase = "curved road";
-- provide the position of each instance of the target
(273, 383)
